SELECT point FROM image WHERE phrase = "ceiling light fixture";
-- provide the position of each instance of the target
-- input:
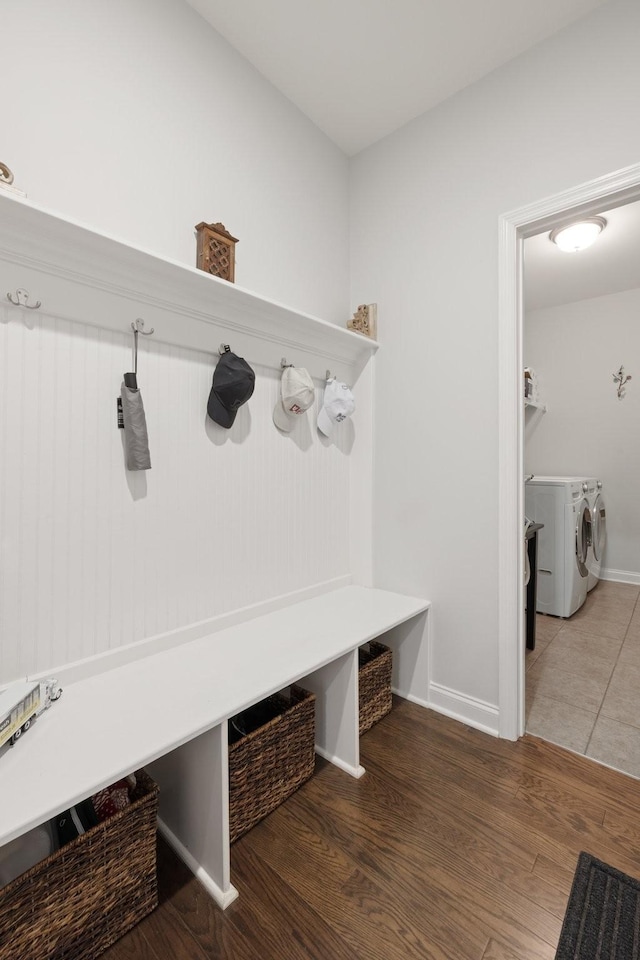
(579, 235)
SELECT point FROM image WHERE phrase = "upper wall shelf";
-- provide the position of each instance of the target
(90, 277)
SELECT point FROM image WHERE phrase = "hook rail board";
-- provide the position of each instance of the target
(82, 275)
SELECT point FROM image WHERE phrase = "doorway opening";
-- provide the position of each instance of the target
(614, 190)
(581, 326)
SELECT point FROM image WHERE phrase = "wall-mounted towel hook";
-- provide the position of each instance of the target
(224, 348)
(22, 300)
(328, 376)
(284, 364)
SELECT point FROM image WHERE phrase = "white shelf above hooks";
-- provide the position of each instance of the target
(81, 275)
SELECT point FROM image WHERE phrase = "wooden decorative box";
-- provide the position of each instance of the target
(216, 251)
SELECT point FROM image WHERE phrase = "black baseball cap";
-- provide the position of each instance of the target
(233, 383)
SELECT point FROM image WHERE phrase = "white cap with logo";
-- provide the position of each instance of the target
(338, 404)
(297, 394)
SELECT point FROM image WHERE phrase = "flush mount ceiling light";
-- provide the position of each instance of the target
(579, 235)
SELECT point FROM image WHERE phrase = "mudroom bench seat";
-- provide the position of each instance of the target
(168, 710)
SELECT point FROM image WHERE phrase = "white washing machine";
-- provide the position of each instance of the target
(560, 503)
(597, 506)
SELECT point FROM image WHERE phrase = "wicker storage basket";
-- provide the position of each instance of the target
(269, 764)
(374, 684)
(77, 902)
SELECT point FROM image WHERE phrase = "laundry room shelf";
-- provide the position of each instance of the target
(81, 275)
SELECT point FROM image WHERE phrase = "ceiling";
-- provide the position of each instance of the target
(552, 277)
(360, 69)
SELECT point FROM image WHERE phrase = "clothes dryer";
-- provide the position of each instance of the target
(597, 506)
(560, 504)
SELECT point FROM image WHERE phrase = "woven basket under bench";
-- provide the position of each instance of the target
(269, 764)
(374, 683)
(86, 895)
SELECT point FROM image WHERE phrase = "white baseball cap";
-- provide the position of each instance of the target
(338, 404)
(297, 394)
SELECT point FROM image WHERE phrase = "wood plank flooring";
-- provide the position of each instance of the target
(453, 846)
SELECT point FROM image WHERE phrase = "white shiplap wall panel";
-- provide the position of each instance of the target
(93, 557)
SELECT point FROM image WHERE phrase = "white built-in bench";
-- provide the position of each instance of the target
(168, 711)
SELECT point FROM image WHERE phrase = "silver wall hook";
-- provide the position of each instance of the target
(224, 348)
(138, 327)
(284, 364)
(6, 176)
(22, 300)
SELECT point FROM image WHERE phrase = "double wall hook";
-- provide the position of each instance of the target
(138, 327)
(284, 364)
(6, 176)
(131, 380)
(22, 300)
(331, 376)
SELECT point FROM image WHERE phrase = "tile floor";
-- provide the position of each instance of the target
(583, 678)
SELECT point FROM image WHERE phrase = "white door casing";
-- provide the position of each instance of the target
(587, 199)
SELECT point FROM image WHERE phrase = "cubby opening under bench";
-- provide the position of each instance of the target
(167, 707)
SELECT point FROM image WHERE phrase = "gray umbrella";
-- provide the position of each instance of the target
(136, 440)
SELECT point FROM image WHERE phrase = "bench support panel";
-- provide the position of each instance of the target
(409, 642)
(337, 715)
(194, 808)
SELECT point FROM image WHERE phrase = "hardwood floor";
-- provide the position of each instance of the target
(453, 845)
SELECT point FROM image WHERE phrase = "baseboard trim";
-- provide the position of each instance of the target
(222, 897)
(475, 713)
(356, 772)
(620, 576)
(410, 697)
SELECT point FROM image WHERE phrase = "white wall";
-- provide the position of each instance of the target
(425, 204)
(587, 431)
(137, 118)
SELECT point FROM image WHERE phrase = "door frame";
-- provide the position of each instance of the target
(587, 199)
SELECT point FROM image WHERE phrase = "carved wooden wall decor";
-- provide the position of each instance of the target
(216, 250)
(365, 320)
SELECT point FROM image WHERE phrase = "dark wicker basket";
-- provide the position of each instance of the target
(81, 899)
(374, 683)
(269, 764)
